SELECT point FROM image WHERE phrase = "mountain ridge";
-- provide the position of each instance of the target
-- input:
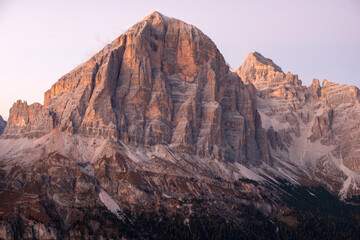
(156, 123)
(166, 72)
(102, 98)
(309, 126)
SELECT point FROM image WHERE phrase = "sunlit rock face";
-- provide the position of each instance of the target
(161, 82)
(316, 127)
(281, 96)
(338, 125)
(157, 123)
(28, 120)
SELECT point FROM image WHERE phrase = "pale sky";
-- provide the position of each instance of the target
(42, 40)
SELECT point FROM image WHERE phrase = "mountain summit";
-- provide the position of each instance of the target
(311, 127)
(154, 134)
(161, 82)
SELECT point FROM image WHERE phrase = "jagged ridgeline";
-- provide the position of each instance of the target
(155, 138)
(161, 82)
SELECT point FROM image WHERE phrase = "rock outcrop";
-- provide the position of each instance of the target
(161, 82)
(339, 122)
(281, 96)
(156, 124)
(314, 127)
(28, 120)
(322, 125)
(2, 125)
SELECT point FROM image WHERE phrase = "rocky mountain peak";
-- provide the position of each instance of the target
(301, 120)
(256, 59)
(269, 79)
(155, 17)
(156, 121)
(28, 120)
(316, 83)
(315, 88)
(265, 74)
(162, 82)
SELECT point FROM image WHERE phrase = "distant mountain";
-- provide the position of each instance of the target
(154, 137)
(315, 128)
(2, 125)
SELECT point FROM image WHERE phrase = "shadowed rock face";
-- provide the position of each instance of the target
(161, 82)
(2, 125)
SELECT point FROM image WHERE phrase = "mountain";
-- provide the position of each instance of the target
(154, 137)
(153, 85)
(315, 128)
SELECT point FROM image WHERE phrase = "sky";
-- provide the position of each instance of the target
(40, 41)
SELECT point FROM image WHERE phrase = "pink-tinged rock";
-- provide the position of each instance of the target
(28, 120)
(161, 82)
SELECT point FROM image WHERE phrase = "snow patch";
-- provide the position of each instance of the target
(311, 193)
(110, 204)
(352, 180)
(247, 173)
(268, 122)
(135, 154)
(165, 195)
(160, 151)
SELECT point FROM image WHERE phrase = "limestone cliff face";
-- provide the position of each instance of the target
(28, 121)
(281, 96)
(338, 123)
(269, 79)
(2, 125)
(156, 121)
(161, 82)
(316, 127)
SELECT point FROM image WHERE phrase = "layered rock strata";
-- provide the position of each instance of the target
(157, 121)
(161, 82)
(2, 125)
(315, 127)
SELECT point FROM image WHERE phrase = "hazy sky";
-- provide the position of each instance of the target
(42, 40)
